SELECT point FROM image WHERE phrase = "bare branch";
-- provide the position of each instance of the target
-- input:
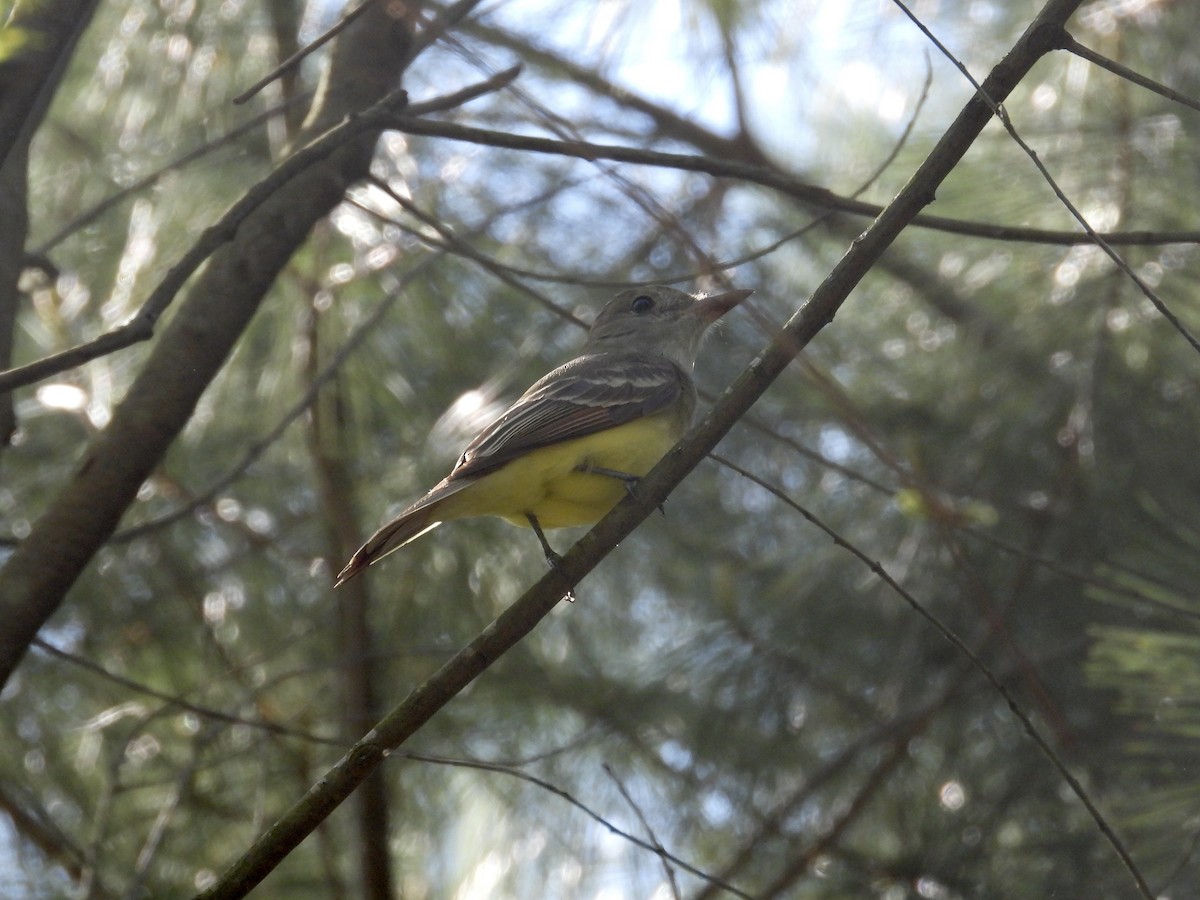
(1071, 45)
(34, 825)
(637, 810)
(1101, 241)
(195, 347)
(176, 702)
(141, 326)
(497, 82)
(298, 57)
(523, 615)
(960, 645)
(784, 184)
(587, 810)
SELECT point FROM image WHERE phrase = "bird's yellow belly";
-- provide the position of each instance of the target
(547, 483)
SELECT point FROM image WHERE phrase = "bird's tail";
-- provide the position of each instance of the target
(410, 524)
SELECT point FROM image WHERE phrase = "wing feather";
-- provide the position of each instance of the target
(588, 394)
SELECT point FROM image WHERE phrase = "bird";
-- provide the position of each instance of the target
(579, 439)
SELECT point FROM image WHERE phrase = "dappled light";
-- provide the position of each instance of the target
(911, 612)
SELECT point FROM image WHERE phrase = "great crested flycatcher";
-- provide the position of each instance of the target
(571, 446)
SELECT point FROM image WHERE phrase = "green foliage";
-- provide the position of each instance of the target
(986, 419)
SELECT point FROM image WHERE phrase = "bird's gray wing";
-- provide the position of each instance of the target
(586, 395)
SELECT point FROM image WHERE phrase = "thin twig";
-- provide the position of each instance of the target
(496, 267)
(37, 828)
(904, 135)
(591, 813)
(174, 701)
(462, 247)
(519, 619)
(446, 18)
(801, 861)
(141, 184)
(637, 810)
(785, 184)
(1071, 45)
(493, 83)
(296, 58)
(960, 645)
(1103, 242)
(182, 782)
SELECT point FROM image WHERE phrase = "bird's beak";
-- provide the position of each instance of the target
(712, 308)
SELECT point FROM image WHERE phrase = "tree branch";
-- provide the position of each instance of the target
(523, 615)
(192, 350)
(41, 39)
(141, 327)
(785, 184)
(262, 201)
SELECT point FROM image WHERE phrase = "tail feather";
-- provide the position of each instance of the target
(395, 534)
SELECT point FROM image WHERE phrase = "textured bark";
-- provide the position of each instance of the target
(46, 35)
(515, 622)
(368, 60)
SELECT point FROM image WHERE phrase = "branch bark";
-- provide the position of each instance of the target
(799, 190)
(29, 76)
(521, 617)
(367, 64)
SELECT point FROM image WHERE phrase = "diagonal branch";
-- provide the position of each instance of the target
(1097, 239)
(785, 184)
(244, 218)
(41, 38)
(652, 846)
(192, 350)
(1067, 42)
(88, 216)
(524, 614)
(977, 663)
(141, 326)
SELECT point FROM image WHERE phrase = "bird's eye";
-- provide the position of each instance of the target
(642, 304)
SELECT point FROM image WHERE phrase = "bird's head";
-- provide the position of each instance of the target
(658, 320)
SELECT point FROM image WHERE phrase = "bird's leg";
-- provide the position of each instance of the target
(630, 481)
(552, 558)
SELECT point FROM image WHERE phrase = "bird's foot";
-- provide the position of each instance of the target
(630, 481)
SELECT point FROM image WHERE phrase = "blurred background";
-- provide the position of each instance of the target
(1003, 421)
